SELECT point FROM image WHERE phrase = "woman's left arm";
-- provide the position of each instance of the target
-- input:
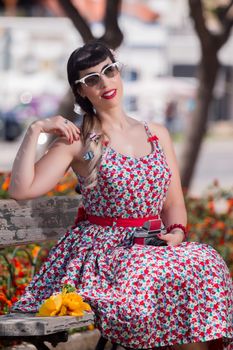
(174, 211)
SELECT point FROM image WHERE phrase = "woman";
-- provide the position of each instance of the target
(177, 295)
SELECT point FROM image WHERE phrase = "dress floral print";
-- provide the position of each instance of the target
(143, 296)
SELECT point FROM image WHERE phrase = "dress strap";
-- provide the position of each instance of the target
(151, 137)
(149, 134)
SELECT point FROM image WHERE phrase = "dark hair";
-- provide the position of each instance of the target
(87, 56)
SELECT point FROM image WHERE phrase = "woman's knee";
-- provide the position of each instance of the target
(216, 344)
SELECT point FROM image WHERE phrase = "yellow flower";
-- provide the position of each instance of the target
(50, 194)
(72, 300)
(76, 313)
(75, 304)
(66, 303)
(220, 225)
(35, 251)
(51, 306)
(63, 311)
(86, 306)
(91, 327)
(6, 183)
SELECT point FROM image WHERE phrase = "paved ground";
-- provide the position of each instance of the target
(215, 162)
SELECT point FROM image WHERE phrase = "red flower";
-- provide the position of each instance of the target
(14, 299)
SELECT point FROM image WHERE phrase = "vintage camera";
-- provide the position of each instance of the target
(148, 234)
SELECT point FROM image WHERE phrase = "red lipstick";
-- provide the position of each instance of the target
(109, 94)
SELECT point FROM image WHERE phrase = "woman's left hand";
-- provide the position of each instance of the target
(172, 239)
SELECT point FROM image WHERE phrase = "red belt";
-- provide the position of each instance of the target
(110, 221)
(123, 222)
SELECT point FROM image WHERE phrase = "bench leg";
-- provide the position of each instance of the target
(39, 344)
(101, 343)
(53, 339)
(114, 347)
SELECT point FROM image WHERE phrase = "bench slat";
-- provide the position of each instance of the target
(24, 325)
(37, 220)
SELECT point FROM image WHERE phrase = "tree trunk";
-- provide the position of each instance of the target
(208, 70)
(210, 43)
(77, 19)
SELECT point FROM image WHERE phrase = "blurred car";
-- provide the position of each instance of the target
(14, 120)
(10, 127)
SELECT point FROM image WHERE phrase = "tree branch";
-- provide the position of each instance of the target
(226, 32)
(221, 11)
(113, 35)
(226, 23)
(196, 13)
(78, 21)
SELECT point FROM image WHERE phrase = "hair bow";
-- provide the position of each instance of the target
(152, 138)
(94, 137)
(89, 155)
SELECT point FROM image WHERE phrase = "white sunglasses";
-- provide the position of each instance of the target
(93, 79)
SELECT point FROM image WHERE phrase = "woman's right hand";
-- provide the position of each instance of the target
(60, 126)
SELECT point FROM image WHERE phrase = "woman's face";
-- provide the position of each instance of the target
(107, 93)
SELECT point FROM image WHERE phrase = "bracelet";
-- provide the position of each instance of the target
(180, 226)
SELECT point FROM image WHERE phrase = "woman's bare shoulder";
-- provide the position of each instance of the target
(160, 131)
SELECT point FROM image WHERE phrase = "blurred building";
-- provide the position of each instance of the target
(160, 52)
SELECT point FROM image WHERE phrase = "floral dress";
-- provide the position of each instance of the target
(143, 296)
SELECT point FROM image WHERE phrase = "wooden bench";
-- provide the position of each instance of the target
(32, 221)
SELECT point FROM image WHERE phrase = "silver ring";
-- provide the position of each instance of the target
(66, 121)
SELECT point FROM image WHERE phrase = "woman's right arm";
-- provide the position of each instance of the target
(30, 179)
